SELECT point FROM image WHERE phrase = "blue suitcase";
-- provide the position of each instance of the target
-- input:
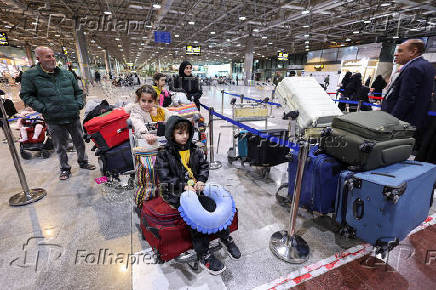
(117, 160)
(320, 181)
(382, 206)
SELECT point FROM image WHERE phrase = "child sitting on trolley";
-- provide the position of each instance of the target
(182, 167)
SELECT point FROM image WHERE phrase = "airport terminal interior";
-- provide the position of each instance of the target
(136, 135)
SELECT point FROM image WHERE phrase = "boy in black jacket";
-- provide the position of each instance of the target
(180, 167)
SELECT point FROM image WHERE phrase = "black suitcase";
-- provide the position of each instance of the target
(117, 160)
(266, 152)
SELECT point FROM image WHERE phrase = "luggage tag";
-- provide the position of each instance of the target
(101, 180)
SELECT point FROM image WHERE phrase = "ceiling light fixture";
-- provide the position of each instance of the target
(212, 32)
(156, 6)
(348, 39)
(107, 13)
(270, 43)
(305, 26)
(195, 41)
(176, 35)
(306, 35)
(356, 32)
(264, 37)
(8, 26)
(117, 38)
(228, 39)
(191, 22)
(58, 35)
(242, 18)
(304, 12)
(367, 21)
(395, 37)
(385, 4)
(306, 42)
(256, 30)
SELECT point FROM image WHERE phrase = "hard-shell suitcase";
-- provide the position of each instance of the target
(165, 231)
(116, 160)
(243, 144)
(320, 181)
(368, 140)
(108, 130)
(265, 152)
(305, 95)
(382, 206)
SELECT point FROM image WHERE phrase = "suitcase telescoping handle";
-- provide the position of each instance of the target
(432, 195)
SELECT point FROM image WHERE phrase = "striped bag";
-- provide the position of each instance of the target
(186, 111)
(146, 177)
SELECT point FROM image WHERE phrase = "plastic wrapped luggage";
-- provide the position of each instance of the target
(305, 95)
(382, 206)
(263, 152)
(165, 231)
(108, 130)
(320, 181)
(368, 140)
(116, 160)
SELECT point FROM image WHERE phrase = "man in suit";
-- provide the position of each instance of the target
(409, 97)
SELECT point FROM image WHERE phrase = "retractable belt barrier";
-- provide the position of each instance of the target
(273, 139)
(430, 113)
(256, 100)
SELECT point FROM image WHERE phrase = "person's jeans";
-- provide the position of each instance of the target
(59, 134)
(200, 241)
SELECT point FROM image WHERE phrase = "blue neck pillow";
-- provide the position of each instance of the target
(198, 218)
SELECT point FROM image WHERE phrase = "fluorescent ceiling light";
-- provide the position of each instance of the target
(306, 35)
(176, 35)
(92, 41)
(304, 12)
(264, 37)
(107, 13)
(149, 26)
(367, 21)
(395, 37)
(144, 37)
(242, 18)
(256, 30)
(58, 35)
(307, 49)
(342, 44)
(270, 43)
(305, 26)
(195, 41)
(348, 39)
(356, 32)
(119, 45)
(385, 4)
(191, 22)
(117, 38)
(307, 46)
(228, 39)
(8, 26)
(212, 32)
(413, 29)
(306, 42)
(156, 6)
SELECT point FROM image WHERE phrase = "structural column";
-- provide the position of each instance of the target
(82, 52)
(29, 54)
(107, 61)
(248, 60)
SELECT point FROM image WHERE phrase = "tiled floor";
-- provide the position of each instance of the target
(57, 242)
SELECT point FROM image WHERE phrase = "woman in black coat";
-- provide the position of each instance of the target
(187, 83)
(378, 85)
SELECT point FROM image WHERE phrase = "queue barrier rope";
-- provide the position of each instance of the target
(280, 142)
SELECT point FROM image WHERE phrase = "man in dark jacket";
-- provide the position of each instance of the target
(54, 92)
(409, 97)
(180, 167)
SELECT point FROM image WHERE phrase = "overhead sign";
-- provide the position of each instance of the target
(162, 37)
(193, 49)
(282, 56)
(4, 39)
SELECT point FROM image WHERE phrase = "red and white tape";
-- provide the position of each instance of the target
(317, 269)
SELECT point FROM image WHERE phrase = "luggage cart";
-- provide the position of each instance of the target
(245, 112)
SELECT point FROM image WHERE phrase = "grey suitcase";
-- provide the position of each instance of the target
(368, 140)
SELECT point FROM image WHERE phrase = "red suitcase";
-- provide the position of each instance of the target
(165, 231)
(109, 130)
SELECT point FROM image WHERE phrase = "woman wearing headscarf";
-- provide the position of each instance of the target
(353, 87)
(187, 83)
(378, 85)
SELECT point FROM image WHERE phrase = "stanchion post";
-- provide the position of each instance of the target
(359, 106)
(222, 102)
(286, 245)
(27, 195)
(242, 98)
(212, 163)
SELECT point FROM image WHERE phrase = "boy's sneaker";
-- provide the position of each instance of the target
(231, 248)
(210, 263)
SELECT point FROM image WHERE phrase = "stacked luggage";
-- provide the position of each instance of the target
(362, 175)
(107, 128)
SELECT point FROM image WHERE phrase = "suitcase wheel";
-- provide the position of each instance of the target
(24, 154)
(45, 154)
